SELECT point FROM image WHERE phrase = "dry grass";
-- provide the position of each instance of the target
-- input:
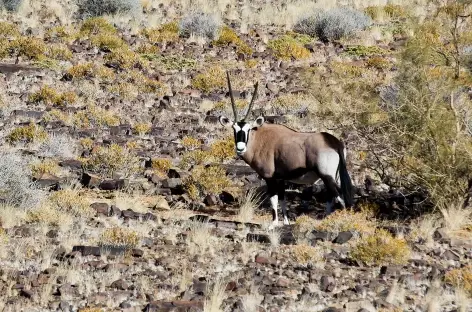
(249, 205)
(199, 237)
(215, 297)
(423, 229)
(348, 220)
(460, 278)
(251, 301)
(455, 218)
(11, 216)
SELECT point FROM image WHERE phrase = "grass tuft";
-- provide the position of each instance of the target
(381, 248)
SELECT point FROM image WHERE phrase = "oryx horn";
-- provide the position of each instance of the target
(254, 95)
(233, 104)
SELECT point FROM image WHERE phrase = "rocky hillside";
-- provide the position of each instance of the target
(120, 191)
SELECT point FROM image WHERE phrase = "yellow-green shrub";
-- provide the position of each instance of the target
(141, 128)
(190, 142)
(106, 41)
(161, 166)
(222, 150)
(304, 254)
(211, 79)
(286, 47)
(229, 36)
(71, 201)
(29, 47)
(48, 166)
(27, 134)
(381, 248)
(460, 278)
(49, 96)
(113, 158)
(347, 220)
(119, 237)
(97, 25)
(165, 33)
(59, 52)
(90, 70)
(124, 58)
(206, 180)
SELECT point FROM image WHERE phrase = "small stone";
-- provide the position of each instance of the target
(210, 200)
(87, 250)
(26, 293)
(112, 185)
(343, 237)
(451, 255)
(282, 282)
(101, 208)
(172, 183)
(262, 259)
(327, 283)
(120, 284)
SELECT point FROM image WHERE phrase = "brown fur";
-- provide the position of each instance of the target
(295, 152)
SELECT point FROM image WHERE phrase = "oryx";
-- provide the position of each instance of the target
(278, 154)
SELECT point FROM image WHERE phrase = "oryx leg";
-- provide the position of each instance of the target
(283, 203)
(333, 192)
(273, 193)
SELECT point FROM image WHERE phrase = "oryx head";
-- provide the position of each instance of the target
(241, 127)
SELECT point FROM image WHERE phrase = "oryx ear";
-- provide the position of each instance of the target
(224, 121)
(259, 121)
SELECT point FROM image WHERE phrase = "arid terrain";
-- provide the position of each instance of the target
(121, 191)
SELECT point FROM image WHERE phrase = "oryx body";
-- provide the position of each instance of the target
(279, 154)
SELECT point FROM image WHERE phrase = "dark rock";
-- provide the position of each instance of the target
(130, 214)
(327, 283)
(263, 259)
(160, 306)
(87, 250)
(52, 233)
(227, 198)
(90, 180)
(115, 184)
(211, 119)
(26, 293)
(137, 252)
(120, 284)
(321, 236)
(343, 237)
(260, 238)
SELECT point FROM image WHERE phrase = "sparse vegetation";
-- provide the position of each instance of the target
(348, 220)
(287, 47)
(211, 79)
(333, 24)
(119, 237)
(111, 159)
(199, 24)
(206, 180)
(47, 95)
(98, 8)
(381, 248)
(460, 278)
(27, 134)
(305, 254)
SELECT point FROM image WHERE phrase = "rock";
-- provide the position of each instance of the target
(137, 252)
(101, 208)
(112, 185)
(120, 284)
(282, 282)
(260, 238)
(227, 197)
(441, 234)
(343, 237)
(87, 250)
(272, 87)
(211, 119)
(320, 235)
(26, 293)
(161, 203)
(327, 283)
(114, 211)
(160, 306)
(262, 258)
(90, 180)
(451, 255)
(130, 214)
(172, 183)
(210, 200)
(354, 306)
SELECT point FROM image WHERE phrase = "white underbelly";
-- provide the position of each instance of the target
(307, 178)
